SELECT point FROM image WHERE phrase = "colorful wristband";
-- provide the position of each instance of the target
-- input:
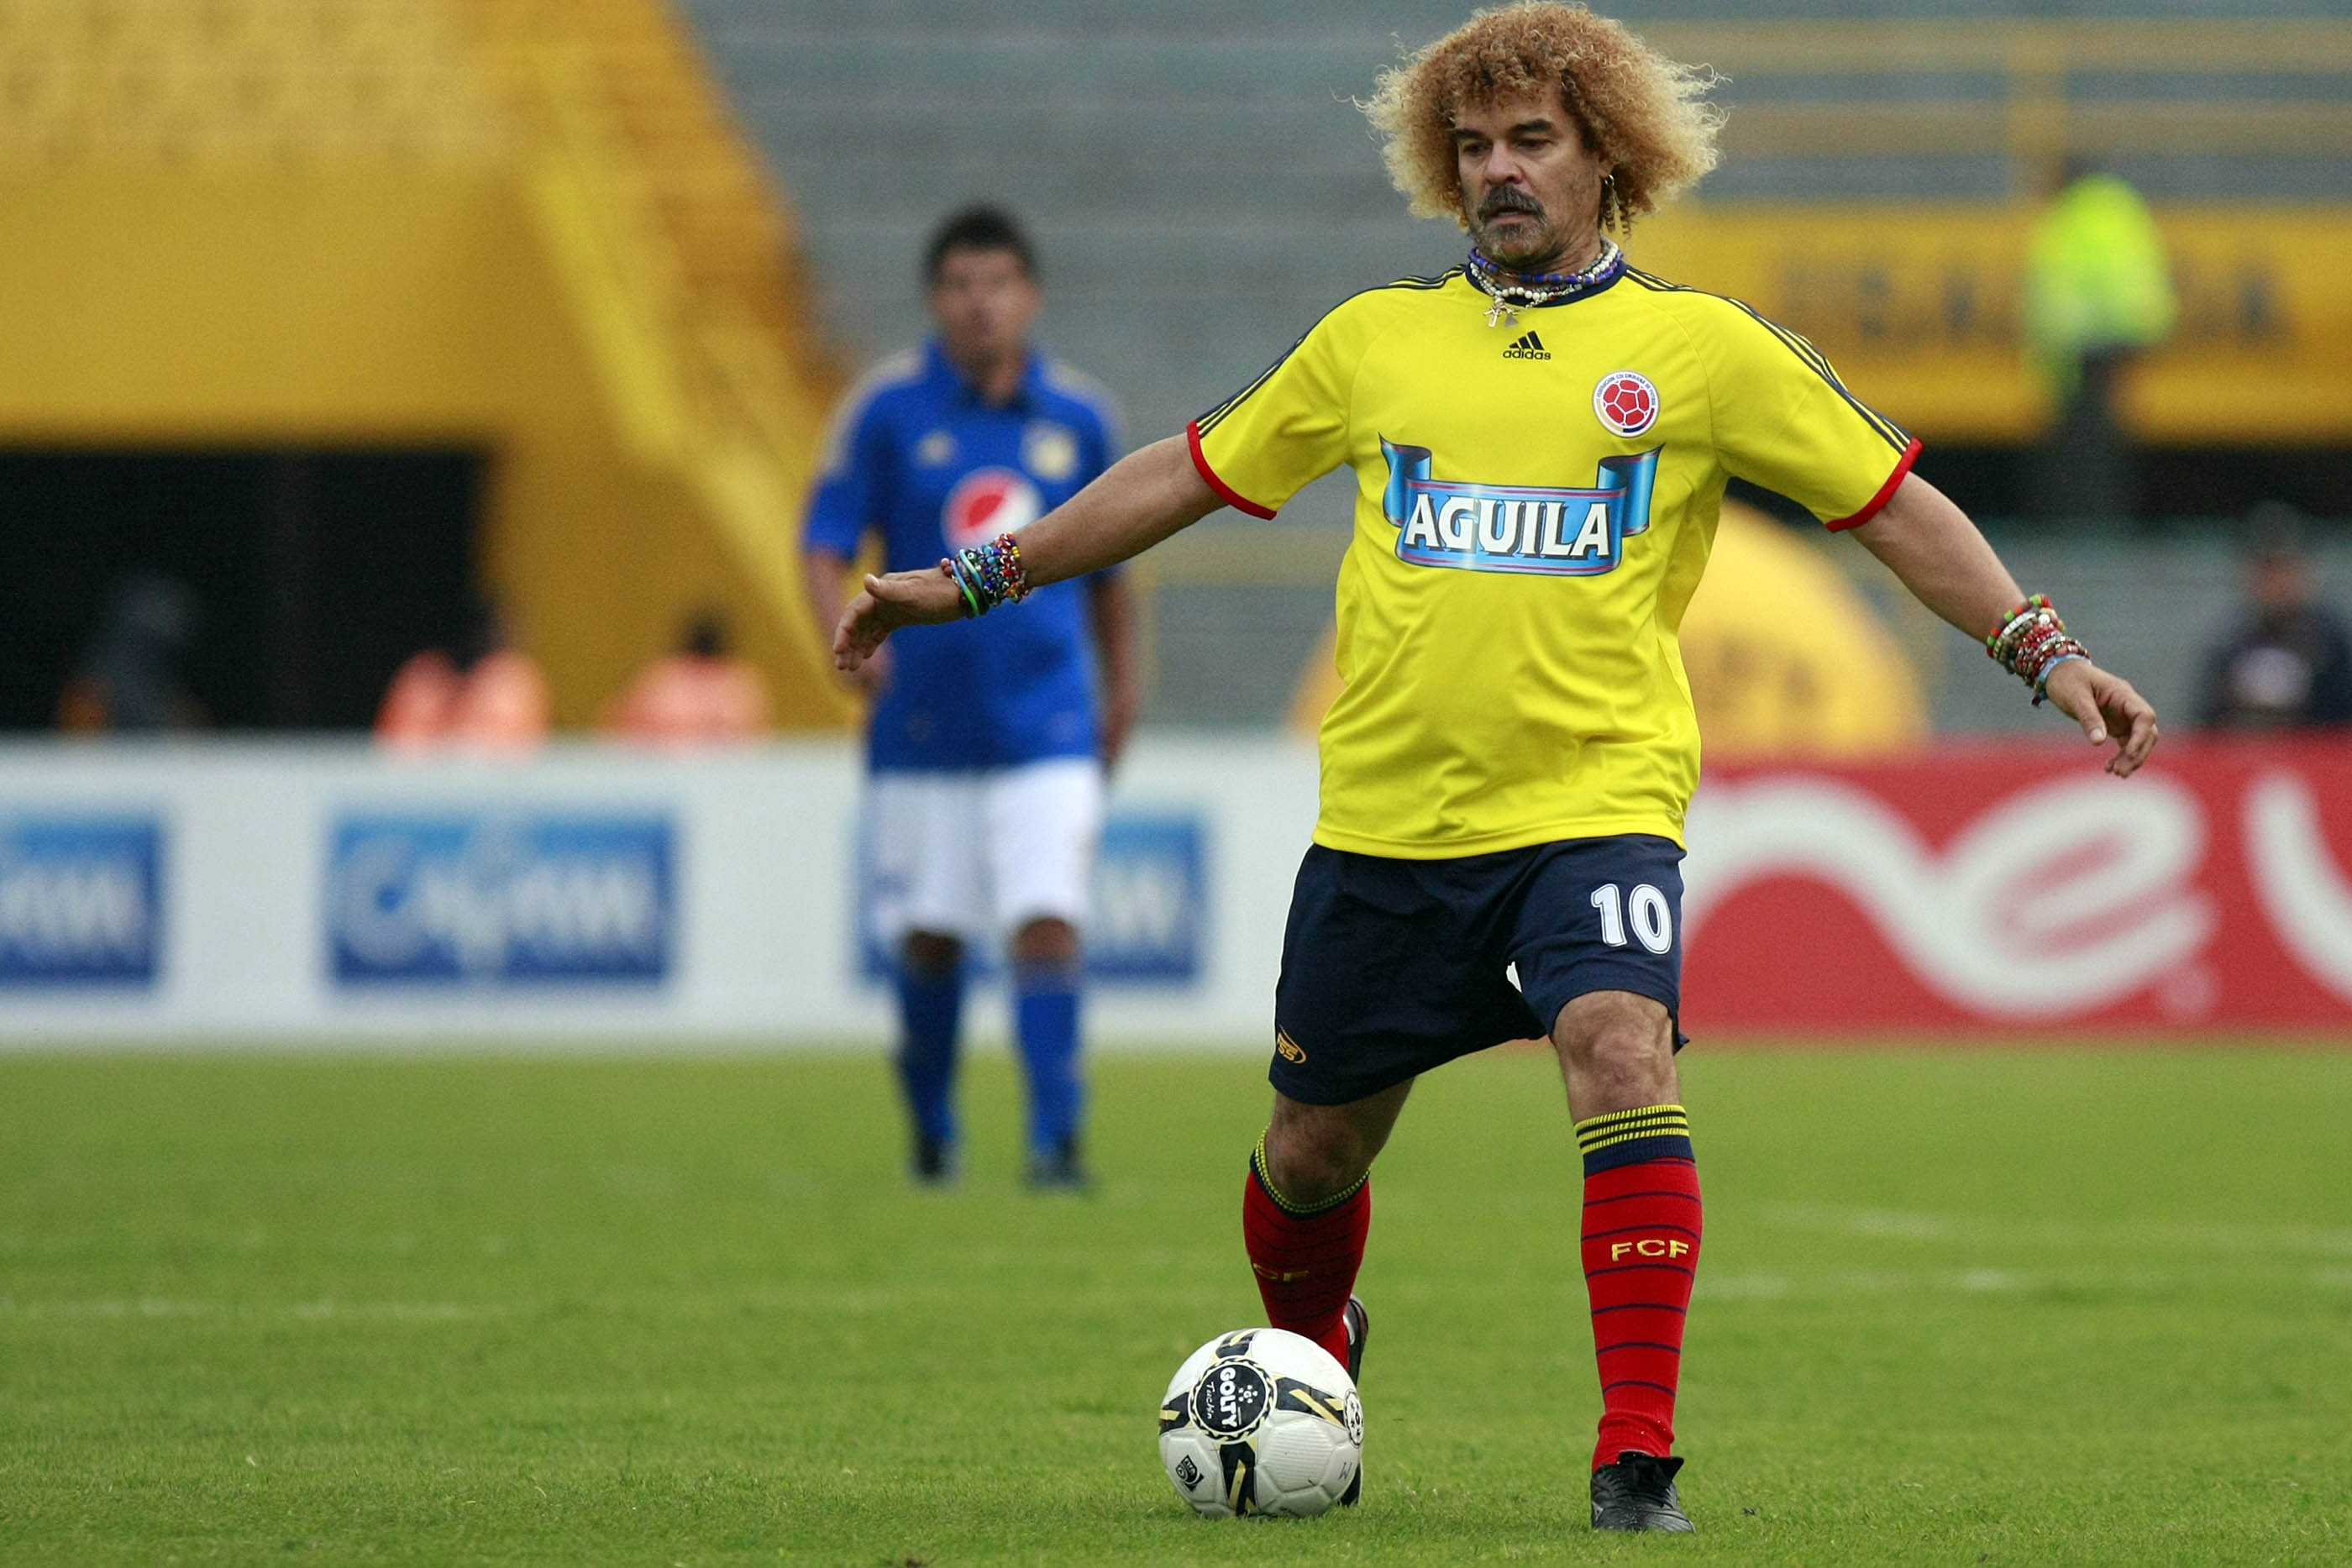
(2030, 642)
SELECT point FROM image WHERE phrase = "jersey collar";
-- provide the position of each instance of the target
(942, 371)
(1600, 281)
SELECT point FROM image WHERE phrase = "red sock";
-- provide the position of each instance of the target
(1641, 1253)
(1305, 1258)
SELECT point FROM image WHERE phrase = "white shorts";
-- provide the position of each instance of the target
(982, 853)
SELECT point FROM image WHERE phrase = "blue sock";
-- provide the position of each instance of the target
(1045, 1017)
(930, 1017)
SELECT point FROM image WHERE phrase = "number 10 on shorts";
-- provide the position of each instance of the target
(1645, 910)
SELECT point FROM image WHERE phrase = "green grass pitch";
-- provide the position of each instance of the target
(1956, 1307)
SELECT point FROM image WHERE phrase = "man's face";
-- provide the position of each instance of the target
(1530, 187)
(985, 302)
(2281, 585)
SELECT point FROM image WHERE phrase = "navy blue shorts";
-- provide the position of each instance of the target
(1391, 968)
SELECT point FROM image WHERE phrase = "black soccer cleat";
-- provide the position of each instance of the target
(1638, 1492)
(935, 1162)
(1359, 1319)
(1060, 1169)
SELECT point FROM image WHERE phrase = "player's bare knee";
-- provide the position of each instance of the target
(1046, 940)
(1313, 1153)
(931, 953)
(1619, 1048)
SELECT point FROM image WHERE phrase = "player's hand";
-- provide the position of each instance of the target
(872, 676)
(2107, 709)
(902, 599)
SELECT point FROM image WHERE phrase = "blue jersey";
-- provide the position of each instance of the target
(918, 454)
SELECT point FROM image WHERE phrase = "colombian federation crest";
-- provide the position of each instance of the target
(1626, 402)
(987, 502)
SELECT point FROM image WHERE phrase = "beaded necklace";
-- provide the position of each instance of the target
(1507, 299)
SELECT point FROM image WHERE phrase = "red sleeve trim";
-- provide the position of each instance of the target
(1872, 507)
(1226, 493)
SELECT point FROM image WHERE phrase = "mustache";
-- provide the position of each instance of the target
(1509, 199)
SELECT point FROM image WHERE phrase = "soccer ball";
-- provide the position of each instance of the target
(1261, 1421)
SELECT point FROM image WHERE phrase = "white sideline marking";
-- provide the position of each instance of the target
(1846, 1285)
(1991, 1280)
(2207, 1238)
(300, 1312)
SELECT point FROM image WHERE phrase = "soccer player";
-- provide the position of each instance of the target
(1540, 439)
(988, 743)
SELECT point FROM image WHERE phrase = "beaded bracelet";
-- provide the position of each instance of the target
(992, 575)
(956, 572)
(2031, 643)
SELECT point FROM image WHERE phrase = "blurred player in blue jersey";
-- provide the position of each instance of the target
(989, 742)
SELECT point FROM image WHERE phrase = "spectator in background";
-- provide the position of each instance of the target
(2288, 664)
(488, 696)
(2098, 292)
(130, 681)
(696, 696)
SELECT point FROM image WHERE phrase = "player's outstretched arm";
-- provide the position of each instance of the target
(1931, 546)
(1142, 499)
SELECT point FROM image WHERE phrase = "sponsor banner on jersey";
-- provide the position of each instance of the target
(1522, 529)
(2021, 889)
(500, 898)
(1148, 923)
(80, 900)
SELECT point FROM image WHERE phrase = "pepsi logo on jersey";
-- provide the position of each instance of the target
(987, 502)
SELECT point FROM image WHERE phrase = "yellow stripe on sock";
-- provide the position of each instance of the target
(1620, 1123)
(1608, 1116)
(1617, 1129)
(1635, 1138)
(1642, 1122)
(1633, 1134)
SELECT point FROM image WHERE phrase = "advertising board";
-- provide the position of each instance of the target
(499, 898)
(80, 900)
(2019, 889)
(296, 896)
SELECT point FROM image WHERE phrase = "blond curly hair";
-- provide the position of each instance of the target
(1647, 115)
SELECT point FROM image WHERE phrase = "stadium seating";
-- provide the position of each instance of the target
(1206, 187)
(299, 81)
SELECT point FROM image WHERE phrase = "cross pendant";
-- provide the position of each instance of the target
(1498, 314)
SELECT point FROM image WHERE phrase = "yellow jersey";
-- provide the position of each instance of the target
(1535, 502)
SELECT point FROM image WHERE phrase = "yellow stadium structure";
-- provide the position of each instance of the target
(522, 225)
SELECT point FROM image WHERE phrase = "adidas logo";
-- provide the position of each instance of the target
(1529, 347)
